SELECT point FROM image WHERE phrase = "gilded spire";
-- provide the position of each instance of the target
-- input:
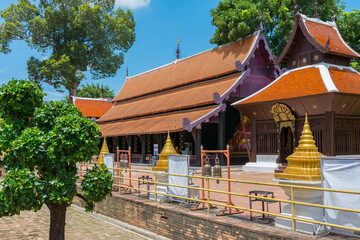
(296, 6)
(304, 163)
(178, 47)
(104, 149)
(316, 9)
(162, 163)
(335, 14)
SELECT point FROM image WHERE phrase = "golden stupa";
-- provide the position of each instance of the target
(304, 163)
(104, 149)
(162, 163)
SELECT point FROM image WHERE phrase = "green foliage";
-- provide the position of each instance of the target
(18, 100)
(21, 191)
(55, 138)
(95, 185)
(349, 26)
(235, 19)
(94, 91)
(79, 35)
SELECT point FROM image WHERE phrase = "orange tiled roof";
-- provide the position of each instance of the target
(153, 124)
(345, 80)
(324, 36)
(322, 31)
(307, 81)
(92, 107)
(212, 63)
(190, 96)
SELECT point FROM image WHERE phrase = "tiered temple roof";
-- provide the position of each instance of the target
(183, 94)
(92, 107)
(316, 87)
(325, 40)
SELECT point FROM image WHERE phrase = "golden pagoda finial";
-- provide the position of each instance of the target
(304, 163)
(162, 163)
(104, 149)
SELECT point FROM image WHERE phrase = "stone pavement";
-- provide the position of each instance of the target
(79, 225)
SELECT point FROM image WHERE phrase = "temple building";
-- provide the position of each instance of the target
(191, 98)
(318, 81)
(92, 108)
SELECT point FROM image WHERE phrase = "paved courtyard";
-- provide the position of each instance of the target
(79, 225)
(236, 174)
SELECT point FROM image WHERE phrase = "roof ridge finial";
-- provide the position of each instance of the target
(335, 14)
(296, 6)
(328, 42)
(178, 47)
(127, 71)
(261, 23)
(316, 9)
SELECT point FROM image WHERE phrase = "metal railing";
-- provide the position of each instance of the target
(123, 188)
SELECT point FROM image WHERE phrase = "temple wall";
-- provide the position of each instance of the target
(180, 223)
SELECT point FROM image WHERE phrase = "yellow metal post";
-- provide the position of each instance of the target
(208, 194)
(292, 209)
(155, 185)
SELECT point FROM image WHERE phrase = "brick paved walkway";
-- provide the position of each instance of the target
(79, 225)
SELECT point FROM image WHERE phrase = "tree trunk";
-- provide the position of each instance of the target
(57, 221)
(72, 93)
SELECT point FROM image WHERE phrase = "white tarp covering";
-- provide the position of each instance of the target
(342, 173)
(178, 164)
(109, 162)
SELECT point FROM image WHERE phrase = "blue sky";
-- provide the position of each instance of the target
(157, 29)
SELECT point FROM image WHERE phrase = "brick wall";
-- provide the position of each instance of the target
(181, 223)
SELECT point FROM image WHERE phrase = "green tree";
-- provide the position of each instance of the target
(43, 142)
(349, 26)
(80, 35)
(94, 91)
(235, 19)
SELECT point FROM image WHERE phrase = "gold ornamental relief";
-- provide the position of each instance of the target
(282, 113)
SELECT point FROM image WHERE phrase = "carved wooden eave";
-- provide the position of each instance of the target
(300, 23)
(188, 125)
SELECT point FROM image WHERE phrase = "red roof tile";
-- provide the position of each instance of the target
(209, 64)
(324, 36)
(307, 81)
(322, 32)
(153, 124)
(92, 107)
(190, 96)
(345, 80)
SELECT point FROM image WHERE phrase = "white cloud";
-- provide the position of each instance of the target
(45, 58)
(2, 70)
(53, 96)
(132, 4)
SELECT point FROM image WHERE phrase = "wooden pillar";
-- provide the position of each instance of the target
(253, 140)
(198, 147)
(329, 134)
(160, 141)
(221, 136)
(143, 149)
(129, 140)
(115, 145)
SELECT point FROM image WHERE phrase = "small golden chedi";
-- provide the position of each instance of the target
(104, 149)
(304, 163)
(162, 163)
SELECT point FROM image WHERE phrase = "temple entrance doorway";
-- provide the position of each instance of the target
(286, 144)
(285, 122)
